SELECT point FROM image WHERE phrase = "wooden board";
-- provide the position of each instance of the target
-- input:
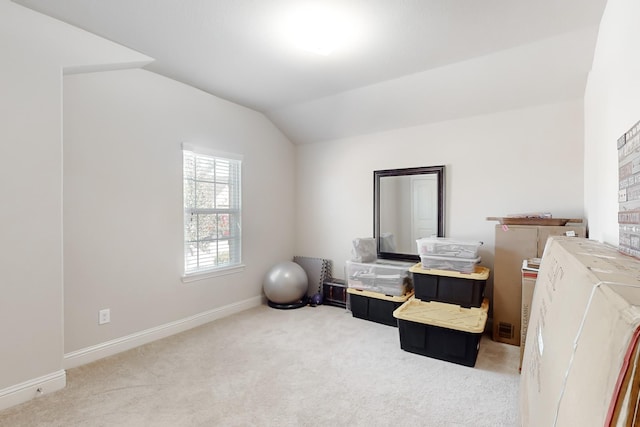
(533, 221)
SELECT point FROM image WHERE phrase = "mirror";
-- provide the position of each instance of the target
(408, 204)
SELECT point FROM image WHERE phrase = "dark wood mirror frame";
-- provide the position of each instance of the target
(439, 172)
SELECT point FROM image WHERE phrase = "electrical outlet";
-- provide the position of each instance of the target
(104, 316)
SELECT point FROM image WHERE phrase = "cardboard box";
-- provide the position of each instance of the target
(529, 276)
(513, 243)
(580, 365)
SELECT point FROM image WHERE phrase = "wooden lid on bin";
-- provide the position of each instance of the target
(401, 298)
(449, 316)
(480, 272)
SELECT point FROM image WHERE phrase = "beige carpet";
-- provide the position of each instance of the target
(314, 366)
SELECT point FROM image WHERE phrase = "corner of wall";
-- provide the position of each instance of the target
(33, 388)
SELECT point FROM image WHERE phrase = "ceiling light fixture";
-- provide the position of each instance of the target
(318, 30)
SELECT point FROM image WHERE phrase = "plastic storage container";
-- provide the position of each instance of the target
(447, 247)
(387, 278)
(454, 287)
(374, 306)
(434, 262)
(442, 331)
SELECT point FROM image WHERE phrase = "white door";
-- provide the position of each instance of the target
(424, 206)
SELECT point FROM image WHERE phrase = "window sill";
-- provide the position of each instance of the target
(194, 277)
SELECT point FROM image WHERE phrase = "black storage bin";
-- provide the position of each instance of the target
(456, 339)
(463, 289)
(334, 292)
(375, 307)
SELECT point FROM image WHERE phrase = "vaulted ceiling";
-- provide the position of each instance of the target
(395, 63)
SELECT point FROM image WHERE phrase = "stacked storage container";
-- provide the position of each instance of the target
(447, 316)
(377, 288)
(441, 253)
(442, 331)
(453, 287)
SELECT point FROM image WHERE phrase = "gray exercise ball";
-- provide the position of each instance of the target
(285, 282)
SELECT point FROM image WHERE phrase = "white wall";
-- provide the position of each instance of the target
(33, 51)
(123, 201)
(525, 160)
(611, 108)
(515, 161)
(121, 247)
(31, 217)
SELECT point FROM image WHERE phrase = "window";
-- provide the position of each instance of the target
(211, 196)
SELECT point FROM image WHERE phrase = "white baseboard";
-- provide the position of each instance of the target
(109, 348)
(27, 390)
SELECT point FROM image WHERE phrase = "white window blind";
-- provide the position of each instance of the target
(212, 214)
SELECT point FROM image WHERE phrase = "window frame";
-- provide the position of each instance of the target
(234, 209)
